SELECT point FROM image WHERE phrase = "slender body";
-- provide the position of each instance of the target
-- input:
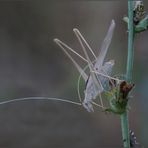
(98, 78)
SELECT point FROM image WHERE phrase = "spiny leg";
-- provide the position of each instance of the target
(61, 44)
(77, 33)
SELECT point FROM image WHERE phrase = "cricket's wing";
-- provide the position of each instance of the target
(105, 45)
(91, 92)
(63, 46)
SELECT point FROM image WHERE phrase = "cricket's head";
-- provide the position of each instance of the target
(109, 65)
(110, 62)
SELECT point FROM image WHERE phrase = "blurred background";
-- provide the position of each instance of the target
(32, 65)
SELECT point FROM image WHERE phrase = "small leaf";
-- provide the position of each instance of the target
(142, 26)
(125, 19)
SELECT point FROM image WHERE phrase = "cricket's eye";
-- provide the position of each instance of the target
(96, 68)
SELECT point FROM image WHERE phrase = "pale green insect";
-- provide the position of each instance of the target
(100, 72)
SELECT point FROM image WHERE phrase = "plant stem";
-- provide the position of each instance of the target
(125, 130)
(130, 58)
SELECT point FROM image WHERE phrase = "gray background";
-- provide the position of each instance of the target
(32, 65)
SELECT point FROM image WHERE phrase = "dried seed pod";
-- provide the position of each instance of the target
(125, 88)
(138, 11)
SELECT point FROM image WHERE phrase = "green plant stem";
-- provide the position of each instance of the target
(125, 130)
(130, 58)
